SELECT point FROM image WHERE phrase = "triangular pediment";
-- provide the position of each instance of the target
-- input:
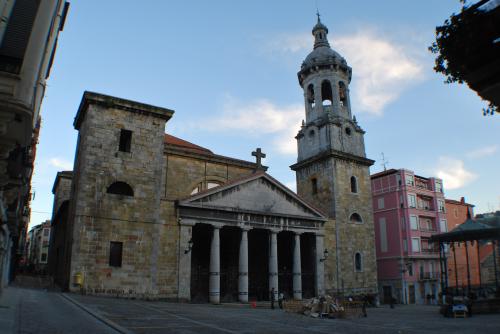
(259, 193)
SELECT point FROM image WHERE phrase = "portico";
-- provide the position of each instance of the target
(242, 251)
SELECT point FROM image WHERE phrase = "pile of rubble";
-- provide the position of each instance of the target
(325, 307)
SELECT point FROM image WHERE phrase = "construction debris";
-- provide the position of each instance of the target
(326, 307)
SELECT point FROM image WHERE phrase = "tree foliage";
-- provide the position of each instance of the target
(464, 43)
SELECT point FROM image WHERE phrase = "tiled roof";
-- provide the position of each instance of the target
(174, 141)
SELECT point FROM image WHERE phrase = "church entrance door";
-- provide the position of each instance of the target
(285, 263)
(258, 264)
(308, 260)
(229, 259)
(200, 262)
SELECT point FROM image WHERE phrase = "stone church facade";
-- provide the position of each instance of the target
(145, 214)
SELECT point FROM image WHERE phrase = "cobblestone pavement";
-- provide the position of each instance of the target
(161, 317)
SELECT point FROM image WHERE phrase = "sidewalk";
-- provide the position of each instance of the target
(9, 302)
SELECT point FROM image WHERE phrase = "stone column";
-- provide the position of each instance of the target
(320, 266)
(184, 293)
(297, 269)
(243, 268)
(214, 271)
(273, 264)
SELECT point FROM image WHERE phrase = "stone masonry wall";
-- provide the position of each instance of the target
(146, 223)
(355, 237)
(99, 218)
(335, 199)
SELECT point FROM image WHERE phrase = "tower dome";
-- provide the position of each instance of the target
(322, 56)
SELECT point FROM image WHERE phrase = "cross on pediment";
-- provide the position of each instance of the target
(258, 156)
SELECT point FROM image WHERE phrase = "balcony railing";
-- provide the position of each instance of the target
(430, 250)
(429, 275)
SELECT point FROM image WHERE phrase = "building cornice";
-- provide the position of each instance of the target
(118, 103)
(332, 154)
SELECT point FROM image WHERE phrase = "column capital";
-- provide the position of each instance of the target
(185, 221)
(245, 228)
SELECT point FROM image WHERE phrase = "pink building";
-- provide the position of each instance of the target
(408, 210)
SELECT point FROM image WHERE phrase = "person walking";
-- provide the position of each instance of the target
(273, 297)
(281, 297)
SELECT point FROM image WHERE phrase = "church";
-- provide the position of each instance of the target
(145, 214)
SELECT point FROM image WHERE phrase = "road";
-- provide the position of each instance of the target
(38, 311)
(146, 317)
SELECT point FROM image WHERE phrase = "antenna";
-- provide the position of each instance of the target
(384, 162)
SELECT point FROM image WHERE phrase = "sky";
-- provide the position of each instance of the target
(229, 70)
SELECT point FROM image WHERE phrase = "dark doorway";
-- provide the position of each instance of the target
(307, 258)
(411, 294)
(387, 294)
(258, 264)
(229, 261)
(200, 261)
(285, 263)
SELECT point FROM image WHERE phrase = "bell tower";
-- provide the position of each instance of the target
(332, 170)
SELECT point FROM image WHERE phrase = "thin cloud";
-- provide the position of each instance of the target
(262, 117)
(61, 163)
(382, 69)
(453, 173)
(482, 152)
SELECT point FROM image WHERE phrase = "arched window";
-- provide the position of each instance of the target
(356, 218)
(310, 95)
(354, 184)
(326, 92)
(120, 188)
(212, 184)
(204, 186)
(342, 94)
(358, 262)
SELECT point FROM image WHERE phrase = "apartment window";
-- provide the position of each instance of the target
(17, 35)
(455, 213)
(403, 223)
(441, 205)
(412, 201)
(115, 253)
(46, 232)
(410, 268)
(415, 245)
(383, 234)
(125, 140)
(44, 258)
(405, 245)
(409, 180)
(381, 203)
(414, 222)
(439, 186)
(443, 225)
